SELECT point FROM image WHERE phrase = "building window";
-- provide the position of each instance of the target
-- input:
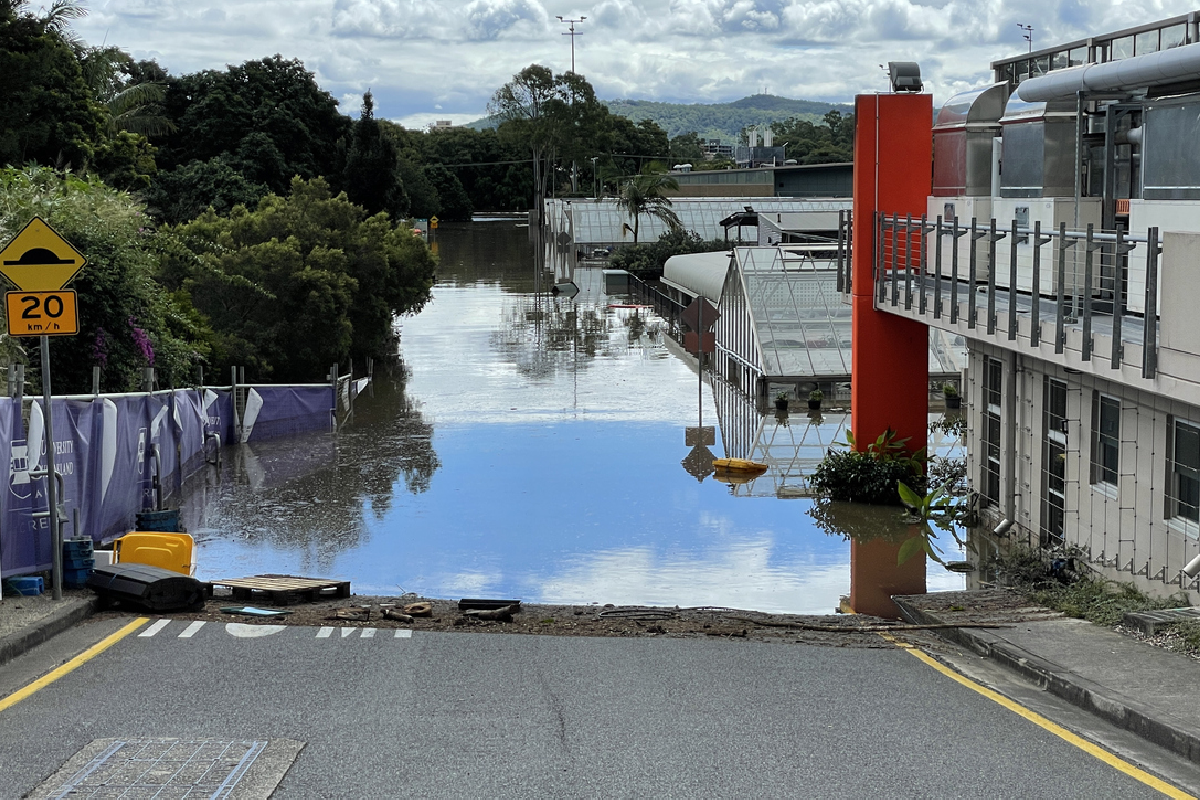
(1054, 459)
(990, 480)
(1184, 462)
(1106, 439)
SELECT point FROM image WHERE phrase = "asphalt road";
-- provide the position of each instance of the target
(488, 715)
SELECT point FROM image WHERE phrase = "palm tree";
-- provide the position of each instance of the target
(127, 105)
(643, 194)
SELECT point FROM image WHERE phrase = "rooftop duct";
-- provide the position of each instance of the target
(962, 141)
(905, 76)
(1140, 72)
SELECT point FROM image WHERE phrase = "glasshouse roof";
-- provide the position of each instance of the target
(800, 323)
(601, 223)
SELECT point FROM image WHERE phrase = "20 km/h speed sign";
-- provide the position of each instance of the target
(42, 313)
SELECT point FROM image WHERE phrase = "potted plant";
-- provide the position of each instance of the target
(814, 399)
(950, 393)
(781, 401)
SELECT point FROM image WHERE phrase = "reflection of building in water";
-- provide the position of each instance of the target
(784, 326)
(791, 445)
(1076, 292)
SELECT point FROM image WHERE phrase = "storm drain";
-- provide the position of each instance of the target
(173, 768)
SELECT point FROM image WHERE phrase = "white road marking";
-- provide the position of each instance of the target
(325, 632)
(155, 628)
(347, 631)
(190, 630)
(403, 633)
(367, 633)
(244, 631)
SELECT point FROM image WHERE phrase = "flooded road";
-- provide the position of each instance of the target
(532, 447)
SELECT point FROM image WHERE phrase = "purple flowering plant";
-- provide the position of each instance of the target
(142, 340)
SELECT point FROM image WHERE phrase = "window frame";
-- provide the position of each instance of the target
(1175, 520)
(1100, 469)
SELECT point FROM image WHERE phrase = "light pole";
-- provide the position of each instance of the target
(594, 196)
(572, 34)
(1027, 34)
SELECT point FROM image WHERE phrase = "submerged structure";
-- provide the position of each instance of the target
(1060, 237)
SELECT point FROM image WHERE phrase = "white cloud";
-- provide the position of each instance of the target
(415, 54)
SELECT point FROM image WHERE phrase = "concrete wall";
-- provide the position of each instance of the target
(1126, 531)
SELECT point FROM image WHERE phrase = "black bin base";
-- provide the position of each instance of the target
(149, 588)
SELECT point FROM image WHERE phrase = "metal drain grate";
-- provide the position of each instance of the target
(171, 768)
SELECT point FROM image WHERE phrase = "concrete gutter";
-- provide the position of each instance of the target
(71, 612)
(1109, 704)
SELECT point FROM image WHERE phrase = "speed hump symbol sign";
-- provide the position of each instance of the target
(41, 262)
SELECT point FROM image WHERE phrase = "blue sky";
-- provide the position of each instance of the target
(442, 59)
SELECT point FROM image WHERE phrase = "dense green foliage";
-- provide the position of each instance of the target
(830, 141)
(872, 475)
(120, 302)
(647, 260)
(645, 194)
(300, 282)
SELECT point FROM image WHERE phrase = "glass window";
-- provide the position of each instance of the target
(1078, 56)
(1004, 72)
(1174, 36)
(1145, 43)
(1060, 60)
(1185, 472)
(1054, 460)
(1040, 66)
(990, 479)
(1106, 439)
(1121, 48)
(1022, 71)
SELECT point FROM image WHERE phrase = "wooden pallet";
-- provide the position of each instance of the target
(283, 590)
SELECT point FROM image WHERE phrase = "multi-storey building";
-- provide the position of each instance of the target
(1062, 241)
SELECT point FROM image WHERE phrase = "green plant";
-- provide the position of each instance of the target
(949, 390)
(816, 395)
(936, 508)
(781, 396)
(871, 475)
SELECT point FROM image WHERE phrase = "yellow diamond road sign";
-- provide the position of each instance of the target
(39, 260)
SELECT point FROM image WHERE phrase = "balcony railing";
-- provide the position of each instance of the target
(1103, 282)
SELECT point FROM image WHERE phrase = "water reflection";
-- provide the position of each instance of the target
(532, 447)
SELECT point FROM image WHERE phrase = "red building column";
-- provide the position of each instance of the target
(889, 385)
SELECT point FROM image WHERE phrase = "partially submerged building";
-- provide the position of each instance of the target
(1062, 243)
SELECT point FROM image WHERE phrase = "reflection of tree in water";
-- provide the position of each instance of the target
(542, 336)
(311, 493)
(861, 522)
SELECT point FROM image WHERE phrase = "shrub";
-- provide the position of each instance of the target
(870, 476)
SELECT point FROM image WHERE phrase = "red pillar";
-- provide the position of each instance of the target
(893, 168)
(889, 385)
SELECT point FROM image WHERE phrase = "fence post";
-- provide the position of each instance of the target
(1150, 331)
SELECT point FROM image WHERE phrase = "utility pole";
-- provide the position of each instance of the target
(572, 33)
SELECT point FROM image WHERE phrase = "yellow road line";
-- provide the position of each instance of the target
(1059, 731)
(76, 662)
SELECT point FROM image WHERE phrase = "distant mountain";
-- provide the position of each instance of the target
(714, 120)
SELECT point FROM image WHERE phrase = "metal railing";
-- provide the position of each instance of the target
(1083, 280)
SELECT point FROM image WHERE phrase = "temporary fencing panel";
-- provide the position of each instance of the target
(104, 448)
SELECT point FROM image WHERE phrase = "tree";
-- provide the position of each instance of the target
(49, 115)
(643, 194)
(686, 148)
(268, 119)
(370, 177)
(127, 320)
(300, 282)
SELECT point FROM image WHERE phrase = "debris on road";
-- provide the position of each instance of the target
(398, 616)
(504, 614)
(477, 604)
(251, 611)
(422, 609)
(352, 614)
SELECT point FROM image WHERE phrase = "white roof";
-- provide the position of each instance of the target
(698, 273)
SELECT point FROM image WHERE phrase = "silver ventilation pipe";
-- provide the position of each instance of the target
(1154, 69)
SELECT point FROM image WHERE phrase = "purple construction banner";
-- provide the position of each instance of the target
(110, 449)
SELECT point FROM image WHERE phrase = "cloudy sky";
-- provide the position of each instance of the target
(442, 59)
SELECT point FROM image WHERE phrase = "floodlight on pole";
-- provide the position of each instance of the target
(1027, 34)
(572, 33)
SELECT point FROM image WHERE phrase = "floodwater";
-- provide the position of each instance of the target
(535, 447)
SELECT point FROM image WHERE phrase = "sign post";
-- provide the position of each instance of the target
(40, 262)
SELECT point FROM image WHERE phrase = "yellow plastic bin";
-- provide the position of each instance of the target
(171, 551)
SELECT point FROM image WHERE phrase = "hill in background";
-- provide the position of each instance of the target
(714, 120)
